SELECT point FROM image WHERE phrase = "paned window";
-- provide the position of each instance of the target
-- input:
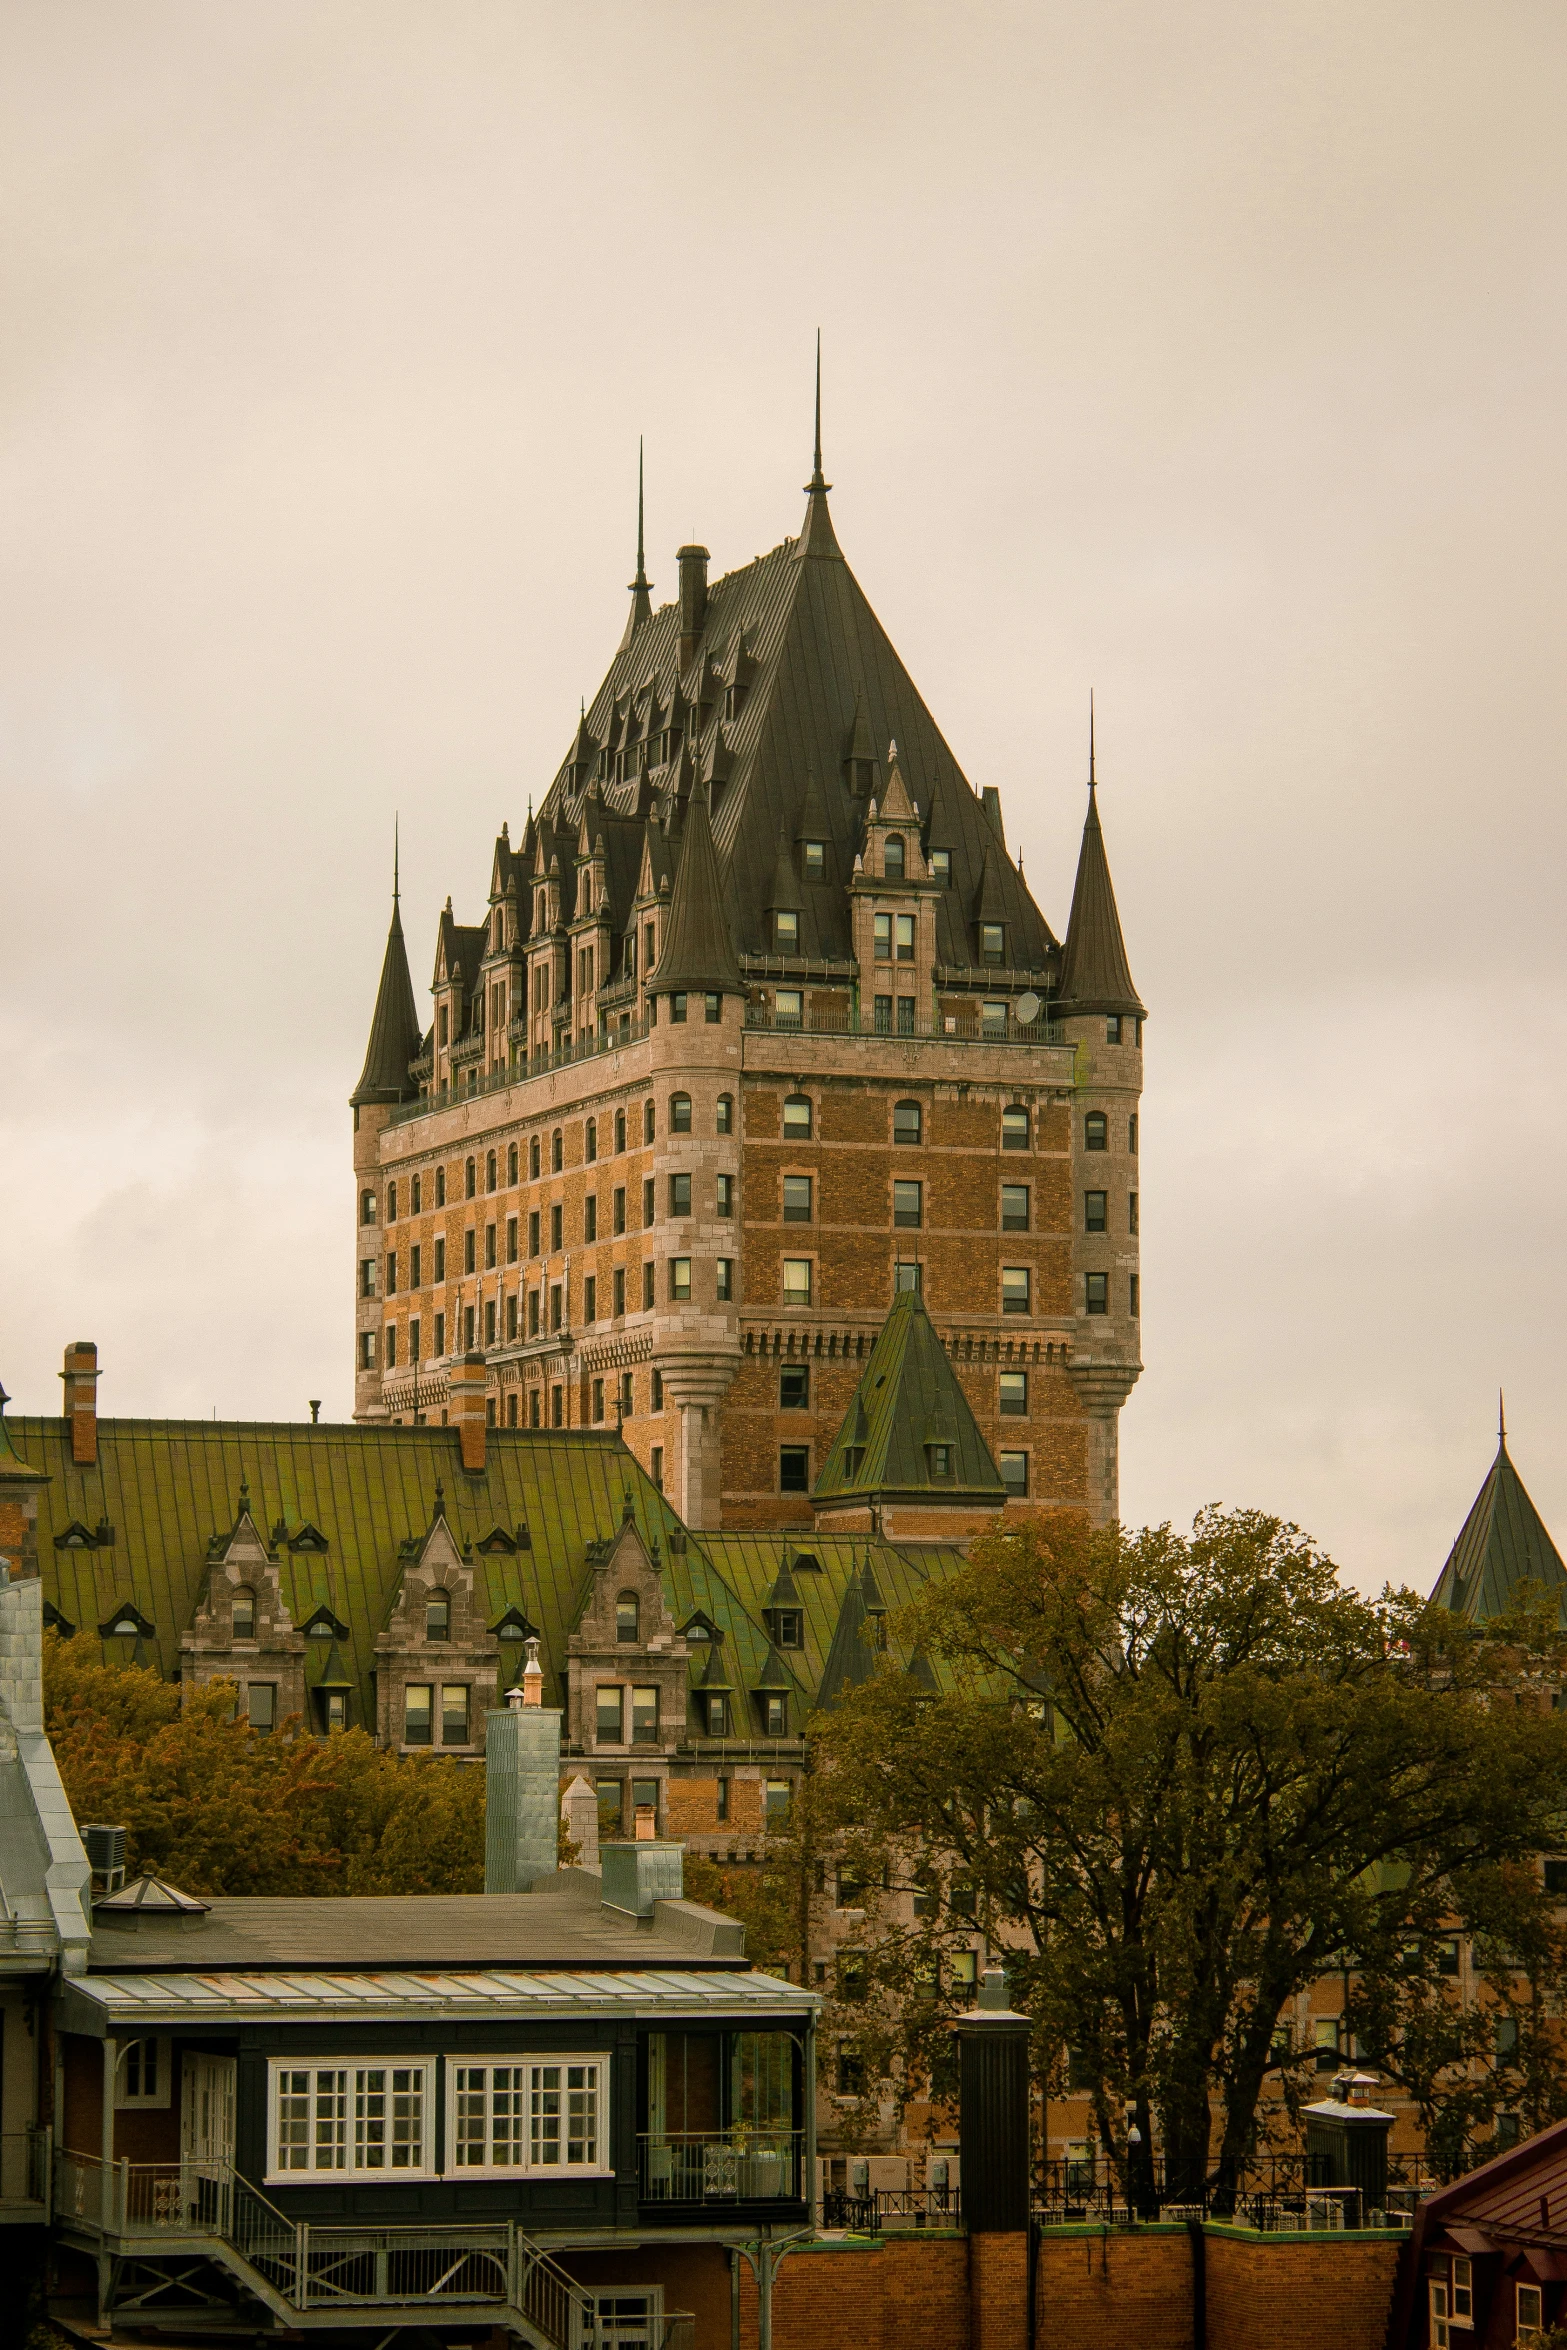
(1014, 1129)
(797, 1281)
(815, 859)
(941, 866)
(1096, 1205)
(680, 1195)
(1096, 1292)
(1096, 1135)
(455, 1699)
(907, 1205)
(992, 942)
(786, 932)
(418, 1713)
(726, 1281)
(644, 1717)
(903, 929)
(726, 1113)
(243, 1613)
(370, 2118)
(881, 938)
(1014, 1395)
(679, 1279)
(609, 1705)
(788, 1007)
(794, 1388)
(1014, 1207)
(797, 1199)
(565, 2115)
(797, 1118)
(726, 1195)
(680, 1113)
(1015, 1289)
(892, 856)
(794, 1469)
(908, 1122)
(1014, 1472)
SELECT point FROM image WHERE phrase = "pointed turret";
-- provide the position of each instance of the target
(641, 592)
(851, 1659)
(699, 956)
(908, 1434)
(395, 1034)
(1095, 975)
(1502, 1545)
(817, 536)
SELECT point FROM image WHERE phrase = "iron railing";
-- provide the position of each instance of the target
(513, 1072)
(753, 2166)
(25, 2171)
(943, 1028)
(881, 2211)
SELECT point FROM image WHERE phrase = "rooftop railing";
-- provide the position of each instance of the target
(512, 1072)
(945, 1028)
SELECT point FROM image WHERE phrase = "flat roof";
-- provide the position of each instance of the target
(107, 2004)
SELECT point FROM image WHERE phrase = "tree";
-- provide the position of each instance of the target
(1185, 1778)
(216, 1808)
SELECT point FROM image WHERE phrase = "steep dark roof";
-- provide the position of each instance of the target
(1095, 975)
(698, 955)
(852, 1656)
(908, 1398)
(395, 1035)
(1501, 1546)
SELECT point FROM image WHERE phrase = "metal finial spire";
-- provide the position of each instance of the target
(816, 482)
(1091, 780)
(396, 857)
(641, 578)
(1501, 1417)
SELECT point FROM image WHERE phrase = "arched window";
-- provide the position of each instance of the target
(1014, 1129)
(628, 1618)
(892, 856)
(908, 1122)
(489, 1171)
(797, 1118)
(620, 1130)
(647, 1120)
(726, 1113)
(533, 1158)
(418, 1195)
(391, 1203)
(470, 1182)
(590, 1141)
(680, 1113)
(440, 1187)
(557, 1151)
(438, 1617)
(1096, 1136)
(511, 1164)
(244, 1613)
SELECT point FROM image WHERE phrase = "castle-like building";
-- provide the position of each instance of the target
(761, 1027)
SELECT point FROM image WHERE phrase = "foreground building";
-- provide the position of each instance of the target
(761, 1026)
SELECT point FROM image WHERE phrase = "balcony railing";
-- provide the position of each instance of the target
(25, 2173)
(946, 1028)
(754, 2166)
(560, 1056)
(488, 2265)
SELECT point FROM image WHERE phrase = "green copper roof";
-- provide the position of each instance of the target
(908, 1400)
(1501, 1546)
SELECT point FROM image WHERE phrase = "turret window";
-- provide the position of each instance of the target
(712, 1009)
(941, 866)
(680, 1113)
(724, 1201)
(243, 1613)
(680, 1195)
(797, 1118)
(1096, 1133)
(679, 1280)
(726, 1114)
(367, 1207)
(892, 856)
(1096, 1292)
(992, 942)
(814, 859)
(1096, 1211)
(677, 1009)
(1113, 1028)
(786, 932)
(908, 1123)
(1131, 1134)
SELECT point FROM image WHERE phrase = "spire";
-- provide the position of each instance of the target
(395, 1034)
(699, 955)
(1502, 1545)
(817, 537)
(1095, 974)
(1501, 1421)
(909, 1431)
(641, 594)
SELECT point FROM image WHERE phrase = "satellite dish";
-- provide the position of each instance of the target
(1026, 1009)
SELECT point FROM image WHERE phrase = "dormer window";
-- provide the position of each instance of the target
(992, 942)
(892, 856)
(789, 1627)
(717, 1716)
(628, 1619)
(941, 866)
(442, 1025)
(438, 1617)
(244, 1614)
(815, 855)
(939, 1459)
(786, 933)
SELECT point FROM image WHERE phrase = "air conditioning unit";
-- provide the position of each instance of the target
(105, 1857)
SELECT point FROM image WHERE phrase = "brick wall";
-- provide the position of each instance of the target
(908, 2293)
(1294, 2293)
(1096, 2286)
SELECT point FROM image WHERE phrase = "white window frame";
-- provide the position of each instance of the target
(1536, 2328)
(528, 2066)
(315, 2173)
(163, 2066)
(604, 2330)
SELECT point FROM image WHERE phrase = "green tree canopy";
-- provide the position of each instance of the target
(1187, 1776)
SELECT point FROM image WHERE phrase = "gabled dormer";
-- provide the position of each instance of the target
(435, 1657)
(626, 1660)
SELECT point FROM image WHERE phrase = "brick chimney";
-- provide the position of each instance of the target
(465, 1401)
(81, 1400)
(693, 600)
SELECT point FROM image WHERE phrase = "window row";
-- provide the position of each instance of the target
(794, 1460)
(908, 1123)
(625, 1715)
(1096, 1131)
(406, 1196)
(512, 2117)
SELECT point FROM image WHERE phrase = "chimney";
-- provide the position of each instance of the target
(81, 1401)
(521, 1790)
(693, 600)
(993, 2109)
(465, 1401)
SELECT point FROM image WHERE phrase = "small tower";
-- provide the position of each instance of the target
(1101, 1016)
(1502, 1545)
(384, 1082)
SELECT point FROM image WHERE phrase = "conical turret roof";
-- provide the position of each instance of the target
(395, 1034)
(699, 955)
(1095, 975)
(1502, 1544)
(907, 1402)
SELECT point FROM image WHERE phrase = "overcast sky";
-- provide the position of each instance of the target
(1212, 356)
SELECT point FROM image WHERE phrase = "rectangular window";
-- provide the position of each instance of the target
(794, 1388)
(815, 855)
(1113, 1028)
(777, 1794)
(590, 1217)
(1134, 1296)
(261, 1705)
(143, 2075)
(555, 1305)
(726, 1195)
(620, 1290)
(557, 1228)
(1095, 1207)
(489, 1248)
(598, 1401)
(454, 1714)
(656, 1467)
(362, 2117)
(680, 1195)
(440, 1334)
(794, 1468)
(533, 1313)
(726, 1281)
(611, 1798)
(992, 942)
(1556, 1879)
(391, 1346)
(489, 1321)
(647, 1287)
(533, 1232)
(1014, 1395)
(440, 1260)
(1014, 1473)
(566, 2105)
(774, 1713)
(1014, 1207)
(1016, 1296)
(1131, 1212)
(644, 1717)
(367, 1350)
(905, 1015)
(1096, 1292)
(788, 1007)
(679, 1279)
(391, 1272)
(786, 932)
(367, 1277)
(467, 1328)
(941, 866)
(415, 1267)
(993, 1019)
(590, 1298)
(903, 931)
(789, 1627)
(647, 1205)
(418, 1713)
(908, 1201)
(511, 1317)
(620, 1209)
(1531, 2321)
(884, 1015)
(469, 1263)
(609, 1706)
(797, 1281)
(908, 1276)
(797, 1199)
(881, 938)
(1131, 1134)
